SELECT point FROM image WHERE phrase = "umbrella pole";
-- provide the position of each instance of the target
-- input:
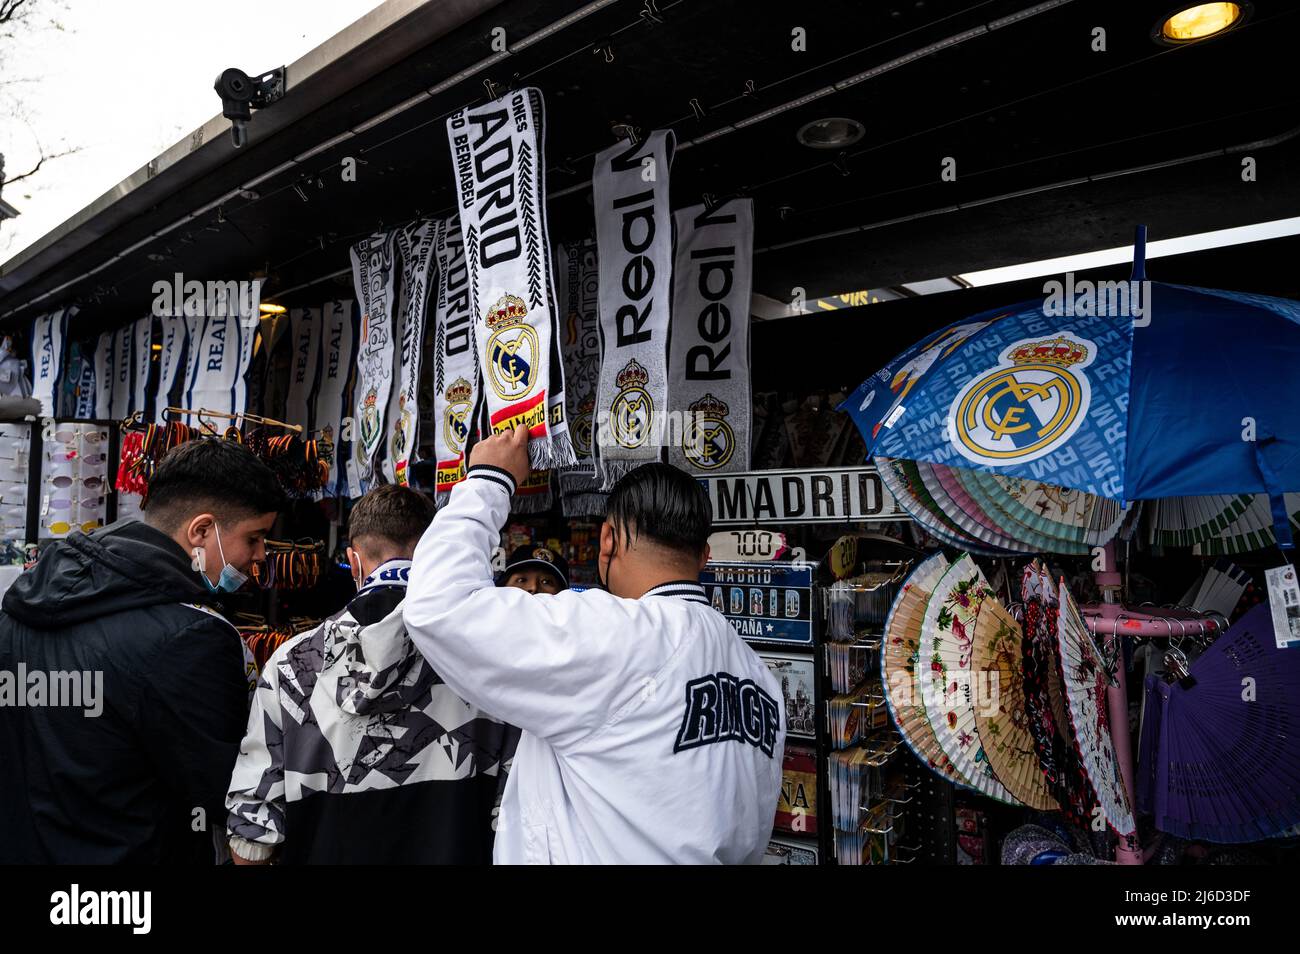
(1110, 582)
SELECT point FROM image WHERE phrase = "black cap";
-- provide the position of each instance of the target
(535, 556)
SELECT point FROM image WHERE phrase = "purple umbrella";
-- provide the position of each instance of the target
(1221, 757)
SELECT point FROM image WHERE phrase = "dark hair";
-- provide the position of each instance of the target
(211, 474)
(393, 514)
(663, 504)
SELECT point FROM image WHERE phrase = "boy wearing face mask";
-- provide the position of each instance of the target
(134, 770)
(356, 751)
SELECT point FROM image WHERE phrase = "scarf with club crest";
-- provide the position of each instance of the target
(456, 378)
(577, 274)
(497, 152)
(416, 245)
(634, 237)
(334, 395)
(374, 277)
(708, 361)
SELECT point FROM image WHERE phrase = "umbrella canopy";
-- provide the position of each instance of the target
(1123, 391)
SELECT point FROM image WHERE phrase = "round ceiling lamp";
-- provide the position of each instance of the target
(832, 133)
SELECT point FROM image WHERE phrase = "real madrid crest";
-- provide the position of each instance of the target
(1028, 405)
(709, 440)
(512, 349)
(543, 554)
(370, 418)
(455, 419)
(632, 412)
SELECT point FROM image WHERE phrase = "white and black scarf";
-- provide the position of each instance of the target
(304, 366)
(456, 377)
(333, 396)
(374, 276)
(497, 153)
(48, 334)
(417, 244)
(169, 362)
(577, 285)
(123, 339)
(634, 236)
(143, 356)
(104, 361)
(708, 362)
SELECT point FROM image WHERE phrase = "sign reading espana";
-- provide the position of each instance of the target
(764, 602)
(834, 495)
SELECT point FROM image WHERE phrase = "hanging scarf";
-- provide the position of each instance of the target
(305, 336)
(456, 378)
(635, 240)
(215, 364)
(708, 367)
(123, 339)
(143, 345)
(333, 396)
(374, 277)
(501, 174)
(48, 333)
(169, 362)
(580, 347)
(104, 375)
(84, 408)
(417, 244)
(248, 310)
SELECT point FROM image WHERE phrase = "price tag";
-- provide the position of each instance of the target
(1284, 603)
(748, 546)
(45, 505)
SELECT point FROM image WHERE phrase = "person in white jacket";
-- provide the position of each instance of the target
(651, 732)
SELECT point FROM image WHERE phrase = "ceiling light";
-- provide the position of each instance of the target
(267, 308)
(1200, 22)
(831, 133)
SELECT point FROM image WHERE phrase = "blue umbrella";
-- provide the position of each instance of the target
(1127, 391)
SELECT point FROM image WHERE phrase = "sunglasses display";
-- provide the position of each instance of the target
(15, 461)
(75, 478)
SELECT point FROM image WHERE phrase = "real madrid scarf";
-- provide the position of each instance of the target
(84, 408)
(169, 362)
(304, 335)
(123, 339)
(247, 328)
(48, 333)
(143, 356)
(708, 362)
(333, 396)
(456, 380)
(374, 277)
(635, 247)
(104, 355)
(580, 346)
(417, 244)
(501, 175)
(215, 364)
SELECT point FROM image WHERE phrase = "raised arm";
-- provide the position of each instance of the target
(556, 666)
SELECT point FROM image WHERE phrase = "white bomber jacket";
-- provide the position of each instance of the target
(651, 732)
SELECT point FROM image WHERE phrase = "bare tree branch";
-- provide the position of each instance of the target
(40, 162)
(10, 10)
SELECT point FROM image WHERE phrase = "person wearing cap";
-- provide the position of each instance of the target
(651, 732)
(535, 570)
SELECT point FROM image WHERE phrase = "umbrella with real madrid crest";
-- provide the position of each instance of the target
(1037, 427)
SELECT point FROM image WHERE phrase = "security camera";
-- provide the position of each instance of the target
(241, 93)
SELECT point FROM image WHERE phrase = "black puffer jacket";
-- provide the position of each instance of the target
(144, 781)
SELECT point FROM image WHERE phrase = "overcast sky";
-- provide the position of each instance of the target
(125, 80)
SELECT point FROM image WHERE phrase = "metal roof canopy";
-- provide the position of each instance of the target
(1039, 125)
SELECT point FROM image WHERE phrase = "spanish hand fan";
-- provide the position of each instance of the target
(1000, 707)
(1084, 678)
(1045, 705)
(1060, 513)
(898, 667)
(1225, 763)
(901, 479)
(953, 499)
(947, 634)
